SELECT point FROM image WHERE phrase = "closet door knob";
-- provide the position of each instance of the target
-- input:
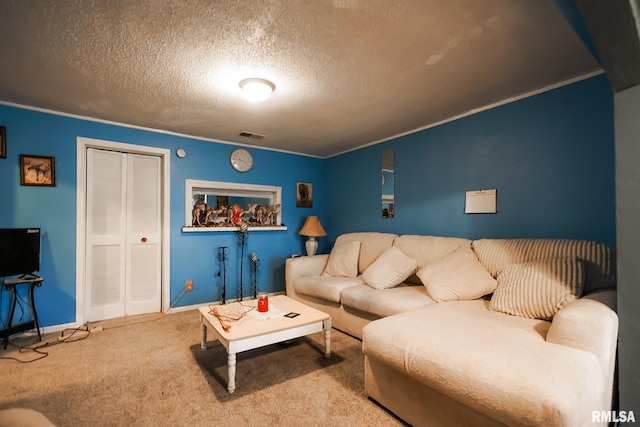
(143, 240)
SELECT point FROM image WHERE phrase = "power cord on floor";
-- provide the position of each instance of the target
(77, 334)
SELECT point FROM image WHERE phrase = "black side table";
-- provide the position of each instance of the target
(11, 285)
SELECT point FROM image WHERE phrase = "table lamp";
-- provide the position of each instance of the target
(312, 229)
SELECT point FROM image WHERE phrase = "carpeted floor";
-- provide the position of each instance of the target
(150, 371)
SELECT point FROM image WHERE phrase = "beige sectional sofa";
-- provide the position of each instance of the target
(483, 332)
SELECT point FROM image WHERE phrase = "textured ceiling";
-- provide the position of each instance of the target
(347, 72)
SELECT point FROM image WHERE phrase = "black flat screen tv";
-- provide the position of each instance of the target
(19, 251)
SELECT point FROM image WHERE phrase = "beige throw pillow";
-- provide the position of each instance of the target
(458, 276)
(343, 260)
(390, 269)
(538, 289)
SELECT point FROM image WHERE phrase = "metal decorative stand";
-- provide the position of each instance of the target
(243, 236)
(223, 266)
(254, 263)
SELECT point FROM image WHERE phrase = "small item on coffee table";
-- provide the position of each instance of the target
(224, 324)
(263, 302)
(227, 314)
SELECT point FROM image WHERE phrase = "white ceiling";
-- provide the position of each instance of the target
(348, 73)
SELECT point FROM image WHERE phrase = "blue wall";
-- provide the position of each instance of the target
(53, 209)
(550, 157)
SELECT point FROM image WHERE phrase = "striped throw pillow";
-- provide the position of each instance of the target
(343, 260)
(390, 269)
(538, 289)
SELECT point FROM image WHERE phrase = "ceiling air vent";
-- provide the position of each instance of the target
(251, 135)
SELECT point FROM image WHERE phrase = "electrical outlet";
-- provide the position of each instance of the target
(188, 285)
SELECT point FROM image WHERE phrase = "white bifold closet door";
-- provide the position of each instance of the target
(123, 252)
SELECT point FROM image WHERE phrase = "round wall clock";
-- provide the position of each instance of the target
(241, 160)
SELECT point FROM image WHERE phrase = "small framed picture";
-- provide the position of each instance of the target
(304, 195)
(3, 142)
(37, 170)
(222, 201)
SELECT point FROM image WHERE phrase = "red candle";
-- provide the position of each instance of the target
(263, 302)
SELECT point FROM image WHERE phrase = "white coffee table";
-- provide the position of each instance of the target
(251, 333)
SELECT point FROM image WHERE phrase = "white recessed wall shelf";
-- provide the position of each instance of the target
(210, 191)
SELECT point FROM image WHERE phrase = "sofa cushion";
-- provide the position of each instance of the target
(538, 289)
(497, 364)
(457, 276)
(427, 249)
(324, 287)
(373, 245)
(343, 260)
(385, 302)
(389, 270)
(599, 259)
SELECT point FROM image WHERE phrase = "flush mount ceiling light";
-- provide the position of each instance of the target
(257, 90)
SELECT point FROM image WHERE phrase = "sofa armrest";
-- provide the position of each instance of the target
(301, 267)
(589, 324)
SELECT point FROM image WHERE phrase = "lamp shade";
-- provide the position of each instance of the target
(312, 227)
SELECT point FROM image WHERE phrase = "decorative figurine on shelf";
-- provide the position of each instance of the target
(251, 208)
(220, 217)
(264, 214)
(201, 215)
(235, 213)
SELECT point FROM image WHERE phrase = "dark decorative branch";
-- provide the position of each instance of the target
(223, 259)
(254, 263)
(243, 236)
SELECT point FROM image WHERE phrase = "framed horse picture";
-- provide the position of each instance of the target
(37, 170)
(304, 195)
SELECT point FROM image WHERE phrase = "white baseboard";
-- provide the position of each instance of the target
(47, 330)
(188, 307)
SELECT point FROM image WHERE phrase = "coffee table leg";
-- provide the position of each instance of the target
(327, 339)
(203, 344)
(231, 368)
